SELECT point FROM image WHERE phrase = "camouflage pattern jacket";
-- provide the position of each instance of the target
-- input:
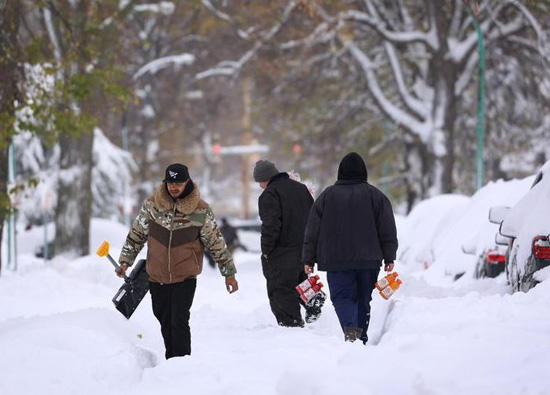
(176, 233)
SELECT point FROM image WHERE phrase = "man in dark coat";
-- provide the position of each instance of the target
(231, 238)
(230, 235)
(350, 230)
(283, 207)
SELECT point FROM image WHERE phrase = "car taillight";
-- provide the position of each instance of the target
(541, 247)
(496, 258)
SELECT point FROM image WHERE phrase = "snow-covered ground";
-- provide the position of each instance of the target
(60, 334)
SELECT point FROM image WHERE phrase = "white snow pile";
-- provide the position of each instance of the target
(60, 334)
(420, 230)
(437, 229)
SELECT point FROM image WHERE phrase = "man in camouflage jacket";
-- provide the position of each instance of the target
(177, 226)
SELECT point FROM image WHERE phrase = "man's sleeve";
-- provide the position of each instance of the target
(311, 236)
(269, 209)
(212, 238)
(387, 232)
(137, 237)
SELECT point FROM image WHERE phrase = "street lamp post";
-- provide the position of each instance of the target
(480, 98)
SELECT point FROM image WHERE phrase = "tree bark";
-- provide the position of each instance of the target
(74, 207)
(10, 91)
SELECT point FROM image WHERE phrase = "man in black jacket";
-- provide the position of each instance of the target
(350, 230)
(283, 207)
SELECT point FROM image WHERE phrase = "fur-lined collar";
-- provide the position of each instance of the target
(187, 205)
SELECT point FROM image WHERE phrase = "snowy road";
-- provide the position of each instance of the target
(59, 334)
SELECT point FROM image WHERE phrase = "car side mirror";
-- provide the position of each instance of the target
(501, 240)
(497, 214)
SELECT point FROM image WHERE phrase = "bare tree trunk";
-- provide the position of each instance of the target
(419, 170)
(74, 207)
(447, 78)
(10, 91)
(445, 163)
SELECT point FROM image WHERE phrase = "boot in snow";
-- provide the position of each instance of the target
(313, 308)
(352, 334)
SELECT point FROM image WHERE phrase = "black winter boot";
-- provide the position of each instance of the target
(352, 334)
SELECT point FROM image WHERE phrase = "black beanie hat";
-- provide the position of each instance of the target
(352, 167)
(176, 172)
(264, 170)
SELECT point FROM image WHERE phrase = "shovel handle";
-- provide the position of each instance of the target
(116, 265)
(103, 251)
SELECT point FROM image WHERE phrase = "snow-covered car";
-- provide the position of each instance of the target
(527, 224)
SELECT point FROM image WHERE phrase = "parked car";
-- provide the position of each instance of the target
(527, 225)
(491, 262)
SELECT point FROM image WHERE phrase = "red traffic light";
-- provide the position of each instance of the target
(297, 149)
(217, 148)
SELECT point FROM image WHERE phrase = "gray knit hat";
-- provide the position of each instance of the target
(264, 170)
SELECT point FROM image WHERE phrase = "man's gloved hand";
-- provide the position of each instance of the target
(121, 271)
(388, 266)
(231, 284)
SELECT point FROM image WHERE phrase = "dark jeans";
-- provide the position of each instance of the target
(171, 305)
(351, 293)
(283, 271)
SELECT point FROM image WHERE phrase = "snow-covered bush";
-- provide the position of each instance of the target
(111, 177)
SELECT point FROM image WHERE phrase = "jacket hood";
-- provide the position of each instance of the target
(352, 167)
(186, 205)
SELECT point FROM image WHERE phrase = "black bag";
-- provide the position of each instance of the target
(133, 290)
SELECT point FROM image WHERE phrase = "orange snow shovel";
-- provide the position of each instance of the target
(135, 286)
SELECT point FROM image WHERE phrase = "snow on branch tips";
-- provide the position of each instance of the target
(161, 63)
(428, 38)
(399, 116)
(164, 8)
(228, 68)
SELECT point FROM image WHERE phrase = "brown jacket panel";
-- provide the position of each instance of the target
(185, 235)
(159, 233)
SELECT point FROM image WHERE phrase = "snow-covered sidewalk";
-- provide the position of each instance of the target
(59, 334)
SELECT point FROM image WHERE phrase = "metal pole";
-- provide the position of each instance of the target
(12, 255)
(46, 247)
(480, 101)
